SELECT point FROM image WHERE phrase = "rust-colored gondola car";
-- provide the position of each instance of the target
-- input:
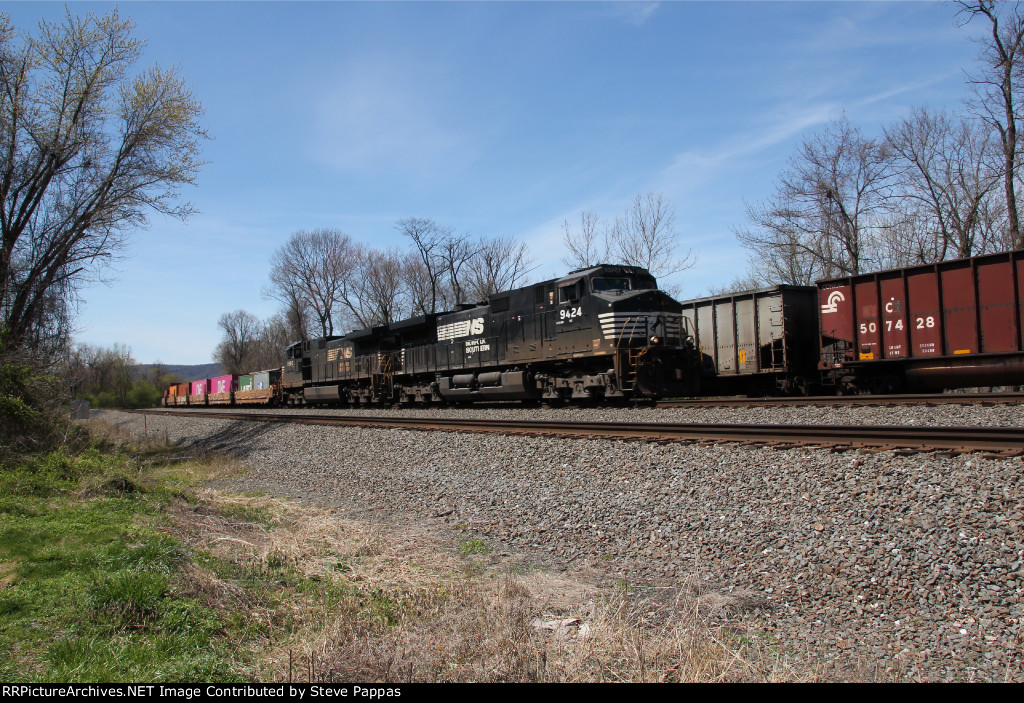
(945, 325)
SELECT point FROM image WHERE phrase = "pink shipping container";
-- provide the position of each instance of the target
(953, 323)
(199, 387)
(224, 384)
(222, 389)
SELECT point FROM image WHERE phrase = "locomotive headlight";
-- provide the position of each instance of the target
(655, 340)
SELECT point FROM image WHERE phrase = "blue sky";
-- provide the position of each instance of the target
(497, 118)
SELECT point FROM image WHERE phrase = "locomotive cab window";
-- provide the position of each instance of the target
(610, 285)
(569, 292)
(644, 283)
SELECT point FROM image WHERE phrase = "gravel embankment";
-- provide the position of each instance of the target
(872, 560)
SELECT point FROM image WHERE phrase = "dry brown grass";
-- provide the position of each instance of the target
(115, 435)
(406, 608)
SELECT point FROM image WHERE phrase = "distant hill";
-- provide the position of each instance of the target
(185, 372)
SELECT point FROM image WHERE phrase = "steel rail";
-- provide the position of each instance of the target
(1007, 440)
(908, 399)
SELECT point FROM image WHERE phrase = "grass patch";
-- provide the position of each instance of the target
(91, 585)
(474, 546)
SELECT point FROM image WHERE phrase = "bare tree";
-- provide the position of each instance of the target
(417, 285)
(310, 272)
(944, 175)
(379, 294)
(87, 151)
(500, 264)
(241, 334)
(586, 246)
(993, 233)
(827, 205)
(444, 258)
(103, 370)
(777, 253)
(428, 239)
(455, 253)
(296, 315)
(645, 236)
(268, 348)
(997, 88)
(123, 372)
(295, 307)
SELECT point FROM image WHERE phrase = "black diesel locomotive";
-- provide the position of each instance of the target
(600, 333)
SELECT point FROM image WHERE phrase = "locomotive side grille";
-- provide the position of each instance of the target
(631, 325)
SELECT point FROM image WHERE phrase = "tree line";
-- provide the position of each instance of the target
(328, 284)
(110, 377)
(91, 144)
(932, 185)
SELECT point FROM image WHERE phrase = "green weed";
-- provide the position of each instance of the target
(90, 586)
(474, 546)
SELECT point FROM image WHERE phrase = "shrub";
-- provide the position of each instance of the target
(29, 409)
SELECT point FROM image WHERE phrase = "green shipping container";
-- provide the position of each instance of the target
(245, 383)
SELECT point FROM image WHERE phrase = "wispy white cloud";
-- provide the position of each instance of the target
(781, 127)
(688, 170)
(382, 115)
(635, 12)
(858, 27)
(904, 88)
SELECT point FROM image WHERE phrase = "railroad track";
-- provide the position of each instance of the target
(1004, 441)
(853, 400)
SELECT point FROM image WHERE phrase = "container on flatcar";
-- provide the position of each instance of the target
(754, 342)
(245, 382)
(264, 379)
(168, 396)
(949, 324)
(221, 389)
(177, 394)
(198, 391)
(262, 388)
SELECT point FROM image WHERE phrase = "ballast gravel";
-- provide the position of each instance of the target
(880, 561)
